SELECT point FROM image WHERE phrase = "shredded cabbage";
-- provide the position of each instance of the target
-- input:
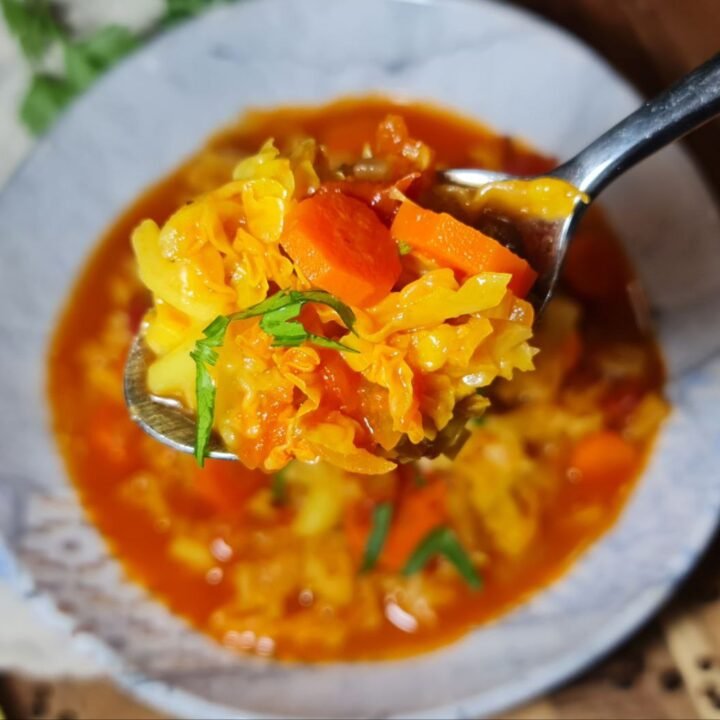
(421, 350)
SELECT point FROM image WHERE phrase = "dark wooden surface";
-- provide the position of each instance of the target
(671, 667)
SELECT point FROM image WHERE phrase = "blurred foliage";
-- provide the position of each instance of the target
(39, 27)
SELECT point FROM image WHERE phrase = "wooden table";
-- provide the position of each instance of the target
(670, 668)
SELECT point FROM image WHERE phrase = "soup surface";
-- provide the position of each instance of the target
(273, 564)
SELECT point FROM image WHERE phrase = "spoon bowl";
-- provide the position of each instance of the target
(685, 106)
(691, 102)
(541, 242)
(164, 419)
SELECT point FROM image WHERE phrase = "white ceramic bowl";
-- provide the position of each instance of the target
(510, 69)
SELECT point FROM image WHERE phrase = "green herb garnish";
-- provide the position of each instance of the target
(204, 354)
(278, 487)
(404, 248)
(381, 519)
(443, 541)
(278, 318)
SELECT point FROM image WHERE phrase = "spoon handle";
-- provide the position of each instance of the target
(689, 103)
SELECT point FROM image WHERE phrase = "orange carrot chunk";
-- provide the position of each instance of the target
(341, 246)
(459, 246)
(419, 512)
(604, 458)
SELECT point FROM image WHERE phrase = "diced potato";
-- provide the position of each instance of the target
(191, 552)
(646, 418)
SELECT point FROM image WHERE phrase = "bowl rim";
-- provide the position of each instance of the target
(166, 697)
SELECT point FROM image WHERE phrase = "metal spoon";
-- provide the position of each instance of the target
(685, 106)
(682, 108)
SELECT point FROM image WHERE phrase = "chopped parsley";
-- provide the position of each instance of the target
(443, 541)
(382, 517)
(278, 318)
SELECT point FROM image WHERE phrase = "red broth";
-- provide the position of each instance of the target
(183, 533)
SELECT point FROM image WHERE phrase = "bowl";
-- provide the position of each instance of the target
(485, 59)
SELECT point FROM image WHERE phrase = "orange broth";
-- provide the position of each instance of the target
(107, 456)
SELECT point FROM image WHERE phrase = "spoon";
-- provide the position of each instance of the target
(685, 106)
(689, 103)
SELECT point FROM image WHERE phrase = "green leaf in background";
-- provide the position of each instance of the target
(44, 100)
(87, 59)
(31, 22)
(183, 9)
(79, 68)
(109, 44)
(37, 29)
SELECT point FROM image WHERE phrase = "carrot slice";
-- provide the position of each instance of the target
(420, 511)
(604, 459)
(341, 246)
(459, 246)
